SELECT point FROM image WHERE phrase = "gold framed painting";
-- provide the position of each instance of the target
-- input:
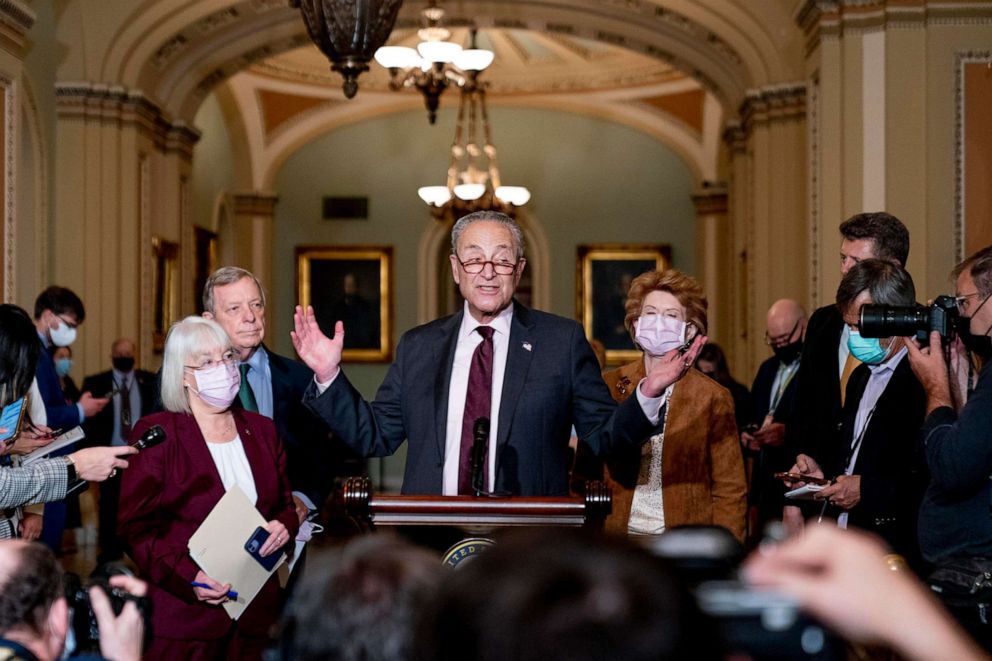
(602, 277)
(351, 284)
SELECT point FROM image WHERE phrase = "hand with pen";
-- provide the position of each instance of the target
(208, 590)
(33, 437)
(844, 491)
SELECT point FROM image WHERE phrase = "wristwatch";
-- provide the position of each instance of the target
(70, 467)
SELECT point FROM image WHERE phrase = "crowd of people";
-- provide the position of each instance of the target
(862, 439)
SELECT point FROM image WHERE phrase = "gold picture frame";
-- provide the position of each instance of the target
(602, 275)
(353, 284)
(165, 288)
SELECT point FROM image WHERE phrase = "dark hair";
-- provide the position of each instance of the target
(712, 353)
(32, 586)
(889, 235)
(19, 348)
(979, 265)
(564, 594)
(60, 300)
(359, 601)
(886, 283)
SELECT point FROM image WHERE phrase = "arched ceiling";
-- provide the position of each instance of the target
(176, 51)
(525, 62)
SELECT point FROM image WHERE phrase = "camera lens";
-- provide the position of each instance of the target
(893, 321)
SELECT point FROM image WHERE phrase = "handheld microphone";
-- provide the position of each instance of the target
(150, 438)
(480, 444)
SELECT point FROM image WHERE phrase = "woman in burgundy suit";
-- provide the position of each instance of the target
(170, 489)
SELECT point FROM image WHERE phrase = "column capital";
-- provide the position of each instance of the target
(16, 19)
(254, 203)
(711, 198)
(98, 101)
(773, 103)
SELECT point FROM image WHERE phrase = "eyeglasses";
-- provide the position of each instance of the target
(67, 322)
(780, 339)
(476, 266)
(209, 363)
(961, 299)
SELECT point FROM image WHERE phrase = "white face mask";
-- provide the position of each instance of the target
(62, 335)
(658, 334)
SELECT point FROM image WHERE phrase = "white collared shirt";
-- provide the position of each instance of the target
(843, 351)
(877, 383)
(467, 341)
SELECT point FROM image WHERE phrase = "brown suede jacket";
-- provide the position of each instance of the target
(702, 467)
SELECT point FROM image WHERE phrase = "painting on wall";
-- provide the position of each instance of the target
(165, 283)
(205, 262)
(602, 277)
(351, 284)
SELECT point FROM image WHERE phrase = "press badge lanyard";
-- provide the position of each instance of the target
(848, 465)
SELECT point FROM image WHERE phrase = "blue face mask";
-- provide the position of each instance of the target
(866, 349)
(63, 366)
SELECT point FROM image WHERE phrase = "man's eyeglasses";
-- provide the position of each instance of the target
(780, 339)
(68, 323)
(476, 266)
(961, 299)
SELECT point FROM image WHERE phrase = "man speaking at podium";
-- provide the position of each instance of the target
(532, 374)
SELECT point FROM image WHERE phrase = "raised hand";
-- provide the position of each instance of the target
(320, 353)
(670, 368)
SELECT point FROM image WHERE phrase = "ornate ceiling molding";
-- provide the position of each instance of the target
(187, 65)
(16, 19)
(773, 103)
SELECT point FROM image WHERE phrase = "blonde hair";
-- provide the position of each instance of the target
(684, 287)
(190, 338)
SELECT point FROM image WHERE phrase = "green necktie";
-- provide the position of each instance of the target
(245, 394)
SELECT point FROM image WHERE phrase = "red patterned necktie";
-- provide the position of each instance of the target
(478, 401)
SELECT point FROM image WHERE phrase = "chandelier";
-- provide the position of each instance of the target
(348, 32)
(473, 173)
(435, 63)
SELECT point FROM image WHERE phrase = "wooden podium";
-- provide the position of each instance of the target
(477, 515)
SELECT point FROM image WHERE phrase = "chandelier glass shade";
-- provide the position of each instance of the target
(348, 32)
(473, 182)
(435, 64)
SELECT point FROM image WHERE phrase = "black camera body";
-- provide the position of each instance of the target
(915, 320)
(84, 623)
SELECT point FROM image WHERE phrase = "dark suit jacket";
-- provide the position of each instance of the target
(167, 492)
(816, 408)
(892, 468)
(312, 457)
(100, 428)
(552, 380)
(767, 492)
(60, 415)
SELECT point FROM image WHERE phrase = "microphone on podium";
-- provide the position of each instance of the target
(480, 443)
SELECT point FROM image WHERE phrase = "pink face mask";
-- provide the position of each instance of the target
(658, 334)
(218, 386)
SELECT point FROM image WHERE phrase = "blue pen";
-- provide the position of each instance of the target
(231, 594)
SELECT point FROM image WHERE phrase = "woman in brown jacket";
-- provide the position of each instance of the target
(690, 471)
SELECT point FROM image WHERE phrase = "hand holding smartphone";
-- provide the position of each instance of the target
(798, 477)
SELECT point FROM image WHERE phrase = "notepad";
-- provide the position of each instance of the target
(218, 547)
(805, 492)
(63, 440)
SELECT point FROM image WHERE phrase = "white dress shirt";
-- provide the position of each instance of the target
(843, 351)
(232, 464)
(880, 376)
(465, 346)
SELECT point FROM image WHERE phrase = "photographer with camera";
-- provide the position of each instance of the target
(878, 476)
(956, 514)
(34, 614)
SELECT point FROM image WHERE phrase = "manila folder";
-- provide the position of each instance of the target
(218, 547)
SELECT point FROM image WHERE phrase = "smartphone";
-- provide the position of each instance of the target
(796, 477)
(12, 419)
(254, 545)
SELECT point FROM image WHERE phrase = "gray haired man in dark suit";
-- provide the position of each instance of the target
(531, 374)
